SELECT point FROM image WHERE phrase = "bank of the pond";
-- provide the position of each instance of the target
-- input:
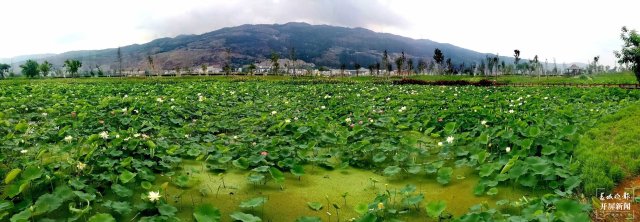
(610, 152)
(288, 201)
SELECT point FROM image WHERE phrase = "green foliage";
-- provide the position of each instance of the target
(244, 217)
(45, 67)
(206, 213)
(606, 153)
(30, 68)
(102, 218)
(435, 209)
(72, 66)
(3, 69)
(232, 125)
(630, 53)
(253, 203)
(314, 205)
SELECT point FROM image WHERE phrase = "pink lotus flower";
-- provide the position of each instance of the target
(264, 153)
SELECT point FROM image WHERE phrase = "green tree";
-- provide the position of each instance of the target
(342, 68)
(516, 56)
(357, 66)
(399, 64)
(30, 68)
(203, 67)
(385, 61)
(536, 65)
(274, 62)
(72, 66)
(438, 57)
(252, 68)
(4, 68)
(151, 65)
(294, 59)
(119, 54)
(371, 68)
(449, 66)
(45, 67)
(409, 66)
(377, 69)
(227, 67)
(422, 65)
(630, 53)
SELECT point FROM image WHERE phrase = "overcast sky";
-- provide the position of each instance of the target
(568, 30)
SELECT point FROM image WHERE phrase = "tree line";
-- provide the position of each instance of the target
(490, 66)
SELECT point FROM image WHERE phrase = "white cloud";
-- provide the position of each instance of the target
(568, 30)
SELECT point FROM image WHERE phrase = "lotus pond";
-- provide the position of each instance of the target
(198, 150)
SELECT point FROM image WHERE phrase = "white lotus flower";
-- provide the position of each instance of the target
(124, 110)
(104, 135)
(23, 151)
(81, 165)
(136, 135)
(295, 118)
(511, 111)
(159, 100)
(508, 149)
(323, 107)
(154, 196)
(287, 121)
(348, 120)
(274, 112)
(450, 139)
(440, 144)
(45, 114)
(483, 122)
(68, 139)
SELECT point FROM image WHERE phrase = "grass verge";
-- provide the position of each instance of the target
(610, 152)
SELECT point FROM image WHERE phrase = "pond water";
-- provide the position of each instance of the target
(288, 201)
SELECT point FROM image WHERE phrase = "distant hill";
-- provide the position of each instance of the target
(322, 45)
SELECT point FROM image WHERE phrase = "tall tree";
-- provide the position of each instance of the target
(45, 67)
(72, 66)
(422, 65)
(151, 65)
(251, 68)
(409, 66)
(4, 68)
(342, 68)
(30, 68)
(399, 64)
(630, 53)
(385, 61)
(516, 56)
(377, 69)
(357, 66)
(536, 64)
(203, 67)
(449, 66)
(119, 62)
(595, 63)
(227, 67)
(274, 62)
(371, 68)
(438, 57)
(294, 59)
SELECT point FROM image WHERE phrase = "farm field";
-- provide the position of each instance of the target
(205, 149)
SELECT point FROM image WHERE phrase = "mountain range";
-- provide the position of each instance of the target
(322, 45)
